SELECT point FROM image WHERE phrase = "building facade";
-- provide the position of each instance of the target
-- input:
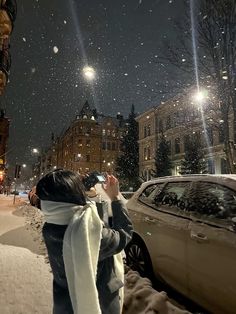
(4, 134)
(91, 142)
(178, 119)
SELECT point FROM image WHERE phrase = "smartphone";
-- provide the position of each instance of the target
(100, 178)
(92, 179)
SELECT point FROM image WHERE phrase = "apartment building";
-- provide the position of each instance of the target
(91, 142)
(4, 134)
(178, 118)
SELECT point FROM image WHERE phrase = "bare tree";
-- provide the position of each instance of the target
(215, 57)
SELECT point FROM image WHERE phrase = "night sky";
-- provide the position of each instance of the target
(53, 40)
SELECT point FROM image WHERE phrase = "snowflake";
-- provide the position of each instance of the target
(24, 39)
(55, 49)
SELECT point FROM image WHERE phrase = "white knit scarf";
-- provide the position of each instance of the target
(81, 246)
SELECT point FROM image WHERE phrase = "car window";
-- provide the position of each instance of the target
(213, 200)
(148, 195)
(173, 195)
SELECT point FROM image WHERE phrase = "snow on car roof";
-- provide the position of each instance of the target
(229, 179)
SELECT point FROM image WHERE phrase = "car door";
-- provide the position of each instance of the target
(212, 248)
(164, 229)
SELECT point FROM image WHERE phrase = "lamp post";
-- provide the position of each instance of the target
(36, 165)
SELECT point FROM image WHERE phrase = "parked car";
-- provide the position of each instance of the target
(127, 194)
(185, 234)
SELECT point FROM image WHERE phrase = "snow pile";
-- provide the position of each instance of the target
(141, 298)
(25, 281)
(34, 222)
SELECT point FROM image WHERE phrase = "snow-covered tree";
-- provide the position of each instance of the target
(163, 163)
(194, 161)
(128, 162)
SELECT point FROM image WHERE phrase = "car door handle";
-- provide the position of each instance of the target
(199, 237)
(150, 220)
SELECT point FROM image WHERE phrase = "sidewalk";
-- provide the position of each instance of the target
(25, 280)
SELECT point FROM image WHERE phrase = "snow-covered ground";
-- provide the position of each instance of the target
(26, 280)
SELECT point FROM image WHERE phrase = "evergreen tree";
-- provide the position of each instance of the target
(194, 161)
(128, 162)
(162, 160)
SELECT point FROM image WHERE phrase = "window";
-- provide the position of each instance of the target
(173, 195)
(177, 145)
(145, 131)
(108, 145)
(113, 146)
(145, 153)
(0, 138)
(210, 136)
(213, 200)
(88, 143)
(221, 134)
(148, 194)
(186, 142)
(104, 146)
(168, 123)
(87, 130)
(176, 119)
(211, 166)
(160, 126)
(169, 146)
(148, 130)
(224, 167)
(87, 158)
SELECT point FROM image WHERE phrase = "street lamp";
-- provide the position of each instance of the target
(89, 73)
(24, 166)
(35, 151)
(200, 96)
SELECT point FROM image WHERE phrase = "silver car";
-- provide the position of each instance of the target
(185, 233)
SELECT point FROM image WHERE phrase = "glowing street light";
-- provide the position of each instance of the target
(35, 150)
(89, 73)
(24, 166)
(200, 96)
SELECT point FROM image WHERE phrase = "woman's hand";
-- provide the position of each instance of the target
(111, 187)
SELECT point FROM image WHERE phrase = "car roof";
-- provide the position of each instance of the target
(225, 179)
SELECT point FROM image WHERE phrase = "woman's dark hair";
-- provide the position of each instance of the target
(61, 186)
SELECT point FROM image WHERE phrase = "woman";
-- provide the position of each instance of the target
(82, 250)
